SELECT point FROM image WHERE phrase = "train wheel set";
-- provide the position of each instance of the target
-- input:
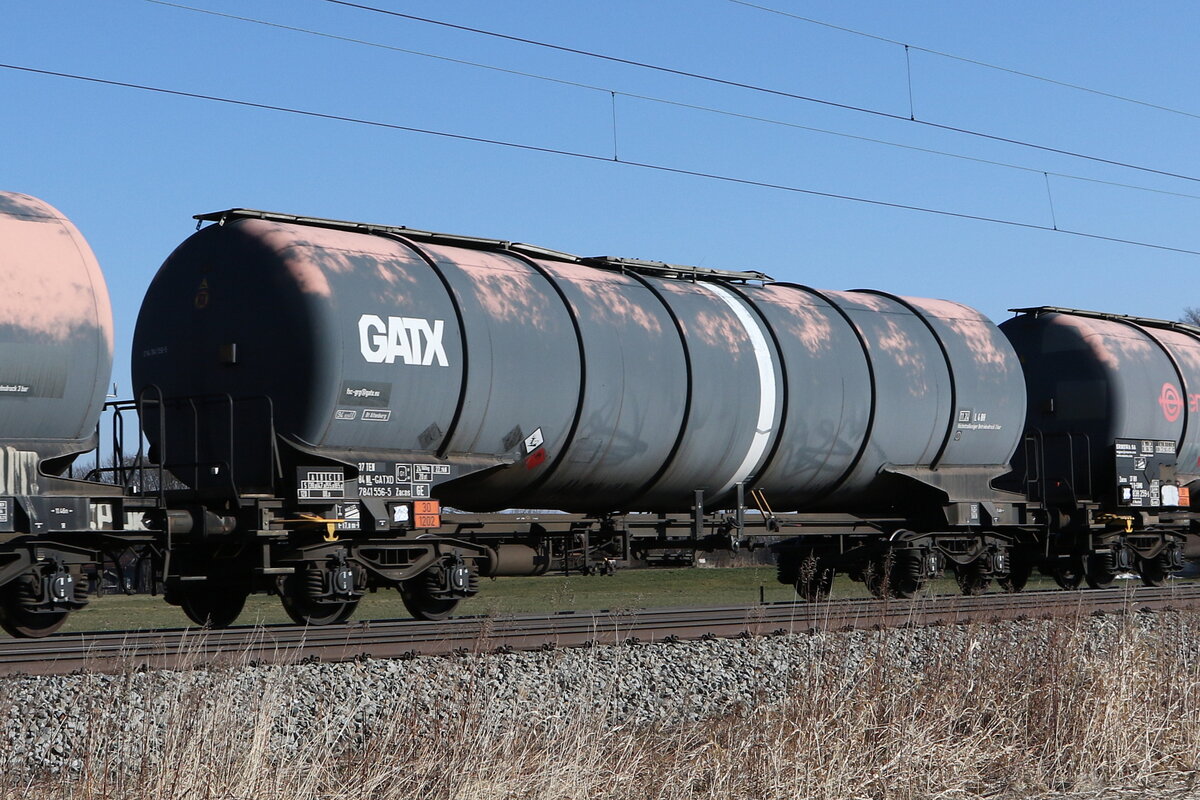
(326, 408)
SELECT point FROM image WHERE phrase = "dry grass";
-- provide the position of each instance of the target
(979, 711)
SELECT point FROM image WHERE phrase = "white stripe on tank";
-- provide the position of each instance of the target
(766, 384)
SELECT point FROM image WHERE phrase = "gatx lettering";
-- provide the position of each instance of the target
(408, 339)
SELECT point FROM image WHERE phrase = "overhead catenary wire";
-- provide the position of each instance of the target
(614, 93)
(968, 60)
(662, 168)
(764, 90)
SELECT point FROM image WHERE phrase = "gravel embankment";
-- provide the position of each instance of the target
(1098, 708)
(49, 723)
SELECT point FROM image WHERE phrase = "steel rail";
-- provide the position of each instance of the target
(183, 648)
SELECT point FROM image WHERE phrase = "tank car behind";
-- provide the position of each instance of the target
(57, 333)
(1113, 439)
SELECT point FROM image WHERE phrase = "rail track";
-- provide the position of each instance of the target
(191, 647)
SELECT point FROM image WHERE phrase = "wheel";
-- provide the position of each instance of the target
(425, 596)
(875, 576)
(421, 604)
(1013, 584)
(19, 620)
(905, 576)
(1154, 571)
(813, 582)
(1100, 573)
(1068, 574)
(971, 581)
(1018, 575)
(25, 624)
(816, 587)
(303, 610)
(214, 602)
(208, 609)
(894, 574)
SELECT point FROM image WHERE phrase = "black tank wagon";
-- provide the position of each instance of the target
(617, 385)
(401, 366)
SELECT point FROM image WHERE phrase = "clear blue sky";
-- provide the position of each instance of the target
(130, 167)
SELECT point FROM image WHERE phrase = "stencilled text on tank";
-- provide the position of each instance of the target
(972, 419)
(410, 340)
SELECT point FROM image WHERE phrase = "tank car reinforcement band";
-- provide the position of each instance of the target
(837, 483)
(768, 411)
(688, 386)
(568, 439)
(924, 316)
(465, 361)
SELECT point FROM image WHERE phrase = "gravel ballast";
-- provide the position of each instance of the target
(49, 723)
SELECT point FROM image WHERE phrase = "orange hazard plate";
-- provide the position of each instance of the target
(427, 521)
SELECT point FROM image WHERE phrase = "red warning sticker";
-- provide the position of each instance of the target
(536, 458)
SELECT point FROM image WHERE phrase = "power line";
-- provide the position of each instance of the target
(592, 157)
(613, 93)
(765, 90)
(967, 60)
(301, 112)
(379, 45)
